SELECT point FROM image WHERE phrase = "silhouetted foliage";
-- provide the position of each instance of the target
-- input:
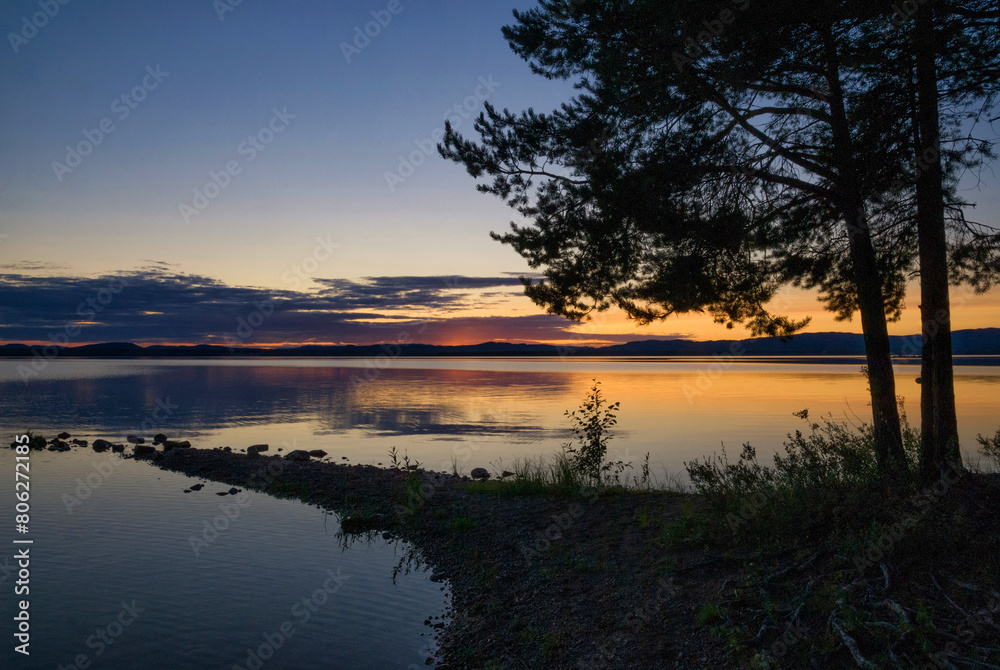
(717, 151)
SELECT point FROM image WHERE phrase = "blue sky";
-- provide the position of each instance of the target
(324, 174)
(273, 75)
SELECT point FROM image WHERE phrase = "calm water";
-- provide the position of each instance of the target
(131, 539)
(477, 411)
(126, 548)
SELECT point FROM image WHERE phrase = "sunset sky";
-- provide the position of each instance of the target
(329, 213)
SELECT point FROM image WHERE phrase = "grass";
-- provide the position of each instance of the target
(358, 524)
(881, 577)
(557, 475)
(826, 482)
(463, 523)
(709, 615)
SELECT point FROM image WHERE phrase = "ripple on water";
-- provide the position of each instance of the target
(130, 540)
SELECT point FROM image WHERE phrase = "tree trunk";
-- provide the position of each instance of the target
(867, 281)
(881, 378)
(939, 432)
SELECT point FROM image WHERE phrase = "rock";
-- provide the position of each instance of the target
(144, 449)
(481, 474)
(506, 473)
(132, 439)
(297, 455)
(234, 491)
(159, 438)
(222, 493)
(197, 487)
(78, 442)
(317, 453)
(175, 454)
(64, 436)
(253, 453)
(257, 447)
(171, 444)
(101, 445)
(119, 448)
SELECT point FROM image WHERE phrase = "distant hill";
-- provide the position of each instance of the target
(980, 342)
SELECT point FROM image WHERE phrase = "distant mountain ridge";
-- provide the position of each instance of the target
(977, 342)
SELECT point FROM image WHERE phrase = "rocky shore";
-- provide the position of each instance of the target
(549, 581)
(542, 577)
(538, 581)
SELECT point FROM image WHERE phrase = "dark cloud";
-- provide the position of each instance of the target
(444, 292)
(160, 305)
(32, 266)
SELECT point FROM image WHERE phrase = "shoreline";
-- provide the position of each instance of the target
(544, 580)
(552, 576)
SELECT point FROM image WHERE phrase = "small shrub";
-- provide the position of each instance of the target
(709, 615)
(591, 424)
(826, 478)
(461, 523)
(990, 447)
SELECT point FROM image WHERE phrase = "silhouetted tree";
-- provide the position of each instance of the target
(716, 151)
(947, 55)
(956, 63)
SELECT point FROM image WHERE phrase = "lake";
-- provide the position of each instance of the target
(124, 554)
(478, 412)
(128, 571)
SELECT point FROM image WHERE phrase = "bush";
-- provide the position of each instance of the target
(591, 422)
(827, 479)
(990, 447)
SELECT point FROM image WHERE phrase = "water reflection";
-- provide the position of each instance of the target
(277, 562)
(474, 411)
